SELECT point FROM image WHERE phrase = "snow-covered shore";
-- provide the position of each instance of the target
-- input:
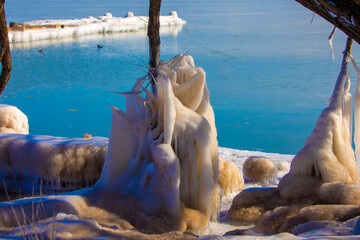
(75, 217)
(68, 28)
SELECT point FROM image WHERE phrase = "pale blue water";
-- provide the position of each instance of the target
(270, 73)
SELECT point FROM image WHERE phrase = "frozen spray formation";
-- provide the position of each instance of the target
(163, 151)
(357, 113)
(323, 180)
(56, 162)
(328, 152)
(65, 28)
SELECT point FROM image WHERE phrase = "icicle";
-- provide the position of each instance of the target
(357, 114)
(347, 108)
(332, 34)
(312, 19)
(169, 111)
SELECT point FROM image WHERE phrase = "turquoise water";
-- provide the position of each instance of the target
(270, 72)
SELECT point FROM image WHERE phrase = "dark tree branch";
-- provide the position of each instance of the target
(153, 33)
(5, 49)
(344, 14)
(154, 39)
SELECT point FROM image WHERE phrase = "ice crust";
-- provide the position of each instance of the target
(55, 162)
(68, 28)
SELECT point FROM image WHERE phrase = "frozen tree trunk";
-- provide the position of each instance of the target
(154, 39)
(5, 55)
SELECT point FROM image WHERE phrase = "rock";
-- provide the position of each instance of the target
(259, 169)
(250, 204)
(230, 177)
(320, 212)
(297, 187)
(340, 193)
(12, 120)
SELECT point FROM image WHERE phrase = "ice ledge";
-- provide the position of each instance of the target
(54, 162)
(66, 28)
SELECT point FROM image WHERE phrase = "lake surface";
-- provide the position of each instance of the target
(269, 71)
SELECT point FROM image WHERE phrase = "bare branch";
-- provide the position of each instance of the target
(343, 14)
(5, 49)
(153, 33)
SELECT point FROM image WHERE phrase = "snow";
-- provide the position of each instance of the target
(68, 209)
(70, 220)
(68, 28)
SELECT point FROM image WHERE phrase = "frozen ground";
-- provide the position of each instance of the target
(70, 215)
(70, 28)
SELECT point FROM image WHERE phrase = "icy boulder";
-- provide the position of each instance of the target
(230, 177)
(250, 204)
(55, 162)
(12, 120)
(259, 169)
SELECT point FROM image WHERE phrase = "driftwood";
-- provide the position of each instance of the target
(343, 14)
(5, 55)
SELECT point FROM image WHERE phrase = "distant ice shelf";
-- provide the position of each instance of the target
(67, 28)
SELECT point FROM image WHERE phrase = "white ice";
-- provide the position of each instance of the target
(68, 28)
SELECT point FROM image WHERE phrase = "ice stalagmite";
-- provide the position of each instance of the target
(163, 150)
(357, 114)
(328, 154)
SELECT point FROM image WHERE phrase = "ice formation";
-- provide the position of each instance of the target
(55, 162)
(328, 152)
(322, 183)
(66, 28)
(163, 151)
(357, 114)
(12, 120)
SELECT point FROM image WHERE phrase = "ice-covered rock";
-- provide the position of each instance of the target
(12, 120)
(259, 169)
(230, 177)
(340, 193)
(250, 204)
(55, 162)
(282, 166)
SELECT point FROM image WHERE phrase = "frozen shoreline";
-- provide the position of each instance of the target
(67, 28)
(68, 205)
